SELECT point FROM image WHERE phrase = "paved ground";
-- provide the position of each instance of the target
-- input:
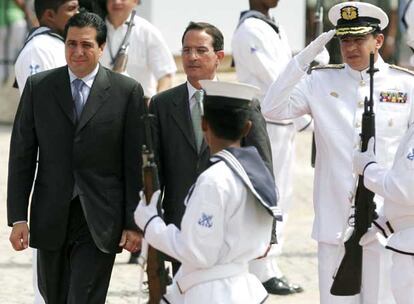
(298, 260)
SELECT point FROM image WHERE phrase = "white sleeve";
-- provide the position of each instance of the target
(30, 62)
(393, 185)
(409, 18)
(249, 47)
(287, 97)
(202, 228)
(159, 56)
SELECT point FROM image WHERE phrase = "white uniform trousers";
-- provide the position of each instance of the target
(376, 272)
(327, 262)
(282, 143)
(402, 278)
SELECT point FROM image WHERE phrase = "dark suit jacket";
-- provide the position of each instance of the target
(101, 153)
(175, 148)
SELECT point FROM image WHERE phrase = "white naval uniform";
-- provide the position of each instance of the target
(149, 58)
(43, 52)
(396, 186)
(334, 97)
(260, 55)
(222, 229)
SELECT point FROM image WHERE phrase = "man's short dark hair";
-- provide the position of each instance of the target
(227, 123)
(42, 5)
(218, 40)
(86, 19)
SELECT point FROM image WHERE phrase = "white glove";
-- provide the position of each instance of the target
(145, 212)
(308, 54)
(323, 57)
(369, 236)
(362, 159)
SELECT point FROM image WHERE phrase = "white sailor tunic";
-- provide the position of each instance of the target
(227, 223)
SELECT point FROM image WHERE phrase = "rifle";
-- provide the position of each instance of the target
(318, 21)
(156, 273)
(347, 280)
(120, 61)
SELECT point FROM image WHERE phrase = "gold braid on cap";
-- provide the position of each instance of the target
(359, 30)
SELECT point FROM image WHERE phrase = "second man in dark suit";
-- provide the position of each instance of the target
(179, 145)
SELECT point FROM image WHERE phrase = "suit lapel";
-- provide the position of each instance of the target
(97, 97)
(181, 114)
(63, 94)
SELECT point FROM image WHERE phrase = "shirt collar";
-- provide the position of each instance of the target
(88, 79)
(192, 90)
(363, 75)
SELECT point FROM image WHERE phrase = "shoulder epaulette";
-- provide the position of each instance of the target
(396, 67)
(328, 66)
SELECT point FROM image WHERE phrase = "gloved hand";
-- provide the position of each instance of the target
(362, 159)
(380, 230)
(143, 213)
(369, 236)
(308, 54)
(323, 57)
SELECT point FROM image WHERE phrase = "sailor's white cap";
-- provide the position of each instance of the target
(228, 94)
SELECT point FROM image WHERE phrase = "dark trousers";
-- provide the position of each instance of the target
(78, 273)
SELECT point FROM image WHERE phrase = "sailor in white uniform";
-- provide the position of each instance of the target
(44, 48)
(396, 186)
(230, 210)
(334, 96)
(261, 51)
(150, 62)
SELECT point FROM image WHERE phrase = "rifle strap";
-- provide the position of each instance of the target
(125, 41)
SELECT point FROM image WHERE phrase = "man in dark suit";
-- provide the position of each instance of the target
(83, 123)
(181, 153)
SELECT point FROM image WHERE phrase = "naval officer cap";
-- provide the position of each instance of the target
(228, 95)
(357, 18)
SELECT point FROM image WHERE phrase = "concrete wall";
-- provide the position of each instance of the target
(171, 17)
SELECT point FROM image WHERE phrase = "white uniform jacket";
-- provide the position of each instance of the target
(396, 186)
(43, 52)
(149, 58)
(260, 54)
(335, 99)
(223, 228)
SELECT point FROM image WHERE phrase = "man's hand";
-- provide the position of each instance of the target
(308, 54)
(19, 236)
(131, 240)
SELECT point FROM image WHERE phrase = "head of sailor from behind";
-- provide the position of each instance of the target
(226, 109)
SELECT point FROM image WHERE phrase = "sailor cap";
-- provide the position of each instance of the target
(220, 94)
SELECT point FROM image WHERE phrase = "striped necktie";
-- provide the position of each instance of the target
(78, 97)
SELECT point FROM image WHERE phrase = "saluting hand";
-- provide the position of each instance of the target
(19, 236)
(309, 53)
